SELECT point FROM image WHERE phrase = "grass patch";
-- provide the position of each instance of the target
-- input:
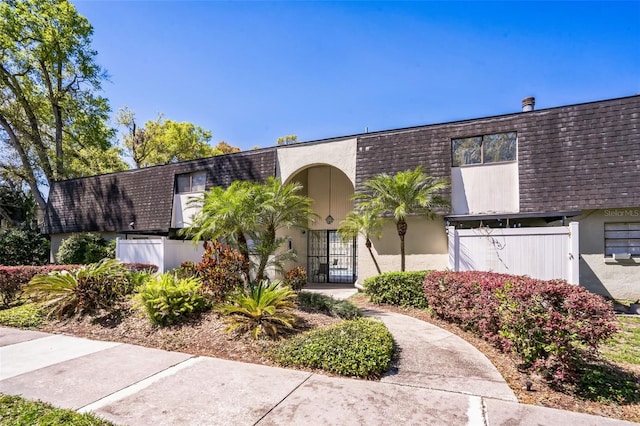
(28, 315)
(607, 383)
(17, 411)
(625, 345)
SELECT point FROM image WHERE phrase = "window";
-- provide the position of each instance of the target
(191, 182)
(484, 149)
(622, 238)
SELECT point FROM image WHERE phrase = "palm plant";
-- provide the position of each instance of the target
(366, 222)
(403, 194)
(266, 308)
(90, 287)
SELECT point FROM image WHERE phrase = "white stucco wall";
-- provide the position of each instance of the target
(425, 244)
(486, 188)
(339, 154)
(183, 211)
(599, 274)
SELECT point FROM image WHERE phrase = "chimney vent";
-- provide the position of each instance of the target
(528, 104)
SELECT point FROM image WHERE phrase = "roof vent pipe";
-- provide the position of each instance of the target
(528, 104)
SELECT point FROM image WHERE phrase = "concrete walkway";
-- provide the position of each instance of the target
(438, 380)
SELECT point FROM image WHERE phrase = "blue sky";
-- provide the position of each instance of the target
(253, 71)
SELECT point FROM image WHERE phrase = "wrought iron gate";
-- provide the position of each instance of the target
(330, 260)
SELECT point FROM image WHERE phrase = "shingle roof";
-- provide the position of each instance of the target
(143, 196)
(575, 157)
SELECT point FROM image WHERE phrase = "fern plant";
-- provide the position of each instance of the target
(66, 293)
(265, 309)
(167, 299)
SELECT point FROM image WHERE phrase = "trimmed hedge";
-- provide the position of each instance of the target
(551, 325)
(397, 288)
(360, 348)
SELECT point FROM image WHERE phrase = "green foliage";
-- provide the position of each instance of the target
(265, 309)
(27, 315)
(366, 222)
(397, 288)
(95, 286)
(328, 305)
(17, 411)
(220, 270)
(137, 279)
(54, 123)
(167, 299)
(23, 246)
(14, 278)
(607, 383)
(296, 278)
(401, 195)
(84, 248)
(361, 348)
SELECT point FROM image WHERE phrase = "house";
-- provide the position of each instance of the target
(529, 169)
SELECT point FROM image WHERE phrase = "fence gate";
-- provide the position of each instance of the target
(330, 260)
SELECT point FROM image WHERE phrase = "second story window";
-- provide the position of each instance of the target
(484, 149)
(191, 182)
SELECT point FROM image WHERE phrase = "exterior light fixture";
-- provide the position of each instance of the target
(329, 219)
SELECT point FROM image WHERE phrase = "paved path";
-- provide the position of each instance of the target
(134, 385)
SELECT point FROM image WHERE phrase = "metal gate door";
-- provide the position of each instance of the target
(330, 260)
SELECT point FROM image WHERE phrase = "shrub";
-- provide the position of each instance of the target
(14, 278)
(84, 248)
(296, 278)
(140, 267)
(187, 269)
(361, 348)
(220, 270)
(167, 299)
(265, 309)
(27, 315)
(547, 323)
(82, 290)
(23, 246)
(397, 288)
(328, 305)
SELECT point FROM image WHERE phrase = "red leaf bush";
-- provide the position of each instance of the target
(221, 271)
(296, 278)
(14, 278)
(550, 324)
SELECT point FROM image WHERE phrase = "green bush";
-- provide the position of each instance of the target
(397, 288)
(28, 315)
(266, 309)
(66, 293)
(361, 348)
(84, 248)
(23, 246)
(168, 299)
(328, 305)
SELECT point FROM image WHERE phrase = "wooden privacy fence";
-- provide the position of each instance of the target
(164, 253)
(539, 252)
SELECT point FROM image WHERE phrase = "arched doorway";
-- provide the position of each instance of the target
(327, 258)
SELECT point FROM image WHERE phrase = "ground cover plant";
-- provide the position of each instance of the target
(27, 315)
(328, 305)
(397, 288)
(17, 411)
(359, 348)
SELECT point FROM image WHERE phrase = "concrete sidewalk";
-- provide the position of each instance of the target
(134, 385)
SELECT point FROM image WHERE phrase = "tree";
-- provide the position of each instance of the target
(166, 141)
(249, 211)
(287, 140)
(365, 222)
(403, 194)
(52, 123)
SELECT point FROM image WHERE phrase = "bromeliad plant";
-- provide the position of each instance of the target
(264, 309)
(66, 293)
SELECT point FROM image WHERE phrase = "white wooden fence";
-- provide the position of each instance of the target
(164, 253)
(539, 252)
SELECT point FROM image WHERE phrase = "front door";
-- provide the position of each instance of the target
(331, 260)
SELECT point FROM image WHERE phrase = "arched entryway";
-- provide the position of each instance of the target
(327, 258)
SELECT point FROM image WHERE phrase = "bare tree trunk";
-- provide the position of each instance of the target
(375, 262)
(401, 226)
